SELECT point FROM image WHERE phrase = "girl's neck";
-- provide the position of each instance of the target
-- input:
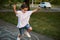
(23, 11)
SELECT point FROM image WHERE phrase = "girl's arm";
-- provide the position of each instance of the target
(14, 8)
(35, 10)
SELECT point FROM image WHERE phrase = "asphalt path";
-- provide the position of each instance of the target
(41, 10)
(9, 31)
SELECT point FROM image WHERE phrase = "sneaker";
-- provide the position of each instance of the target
(18, 38)
(27, 33)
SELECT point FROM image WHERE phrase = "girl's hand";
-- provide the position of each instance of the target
(14, 6)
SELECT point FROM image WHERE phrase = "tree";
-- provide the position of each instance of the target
(3, 2)
(27, 3)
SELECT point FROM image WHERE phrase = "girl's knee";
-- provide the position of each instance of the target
(30, 29)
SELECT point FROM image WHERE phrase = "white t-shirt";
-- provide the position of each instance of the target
(23, 18)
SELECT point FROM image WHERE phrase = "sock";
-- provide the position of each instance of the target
(18, 38)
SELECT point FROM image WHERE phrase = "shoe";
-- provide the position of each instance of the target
(27, 33)
(18, 38)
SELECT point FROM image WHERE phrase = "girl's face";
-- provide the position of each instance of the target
(25, 9)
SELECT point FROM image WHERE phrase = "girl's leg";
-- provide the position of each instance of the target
(29, 29)
(18, 38)
(21, 30)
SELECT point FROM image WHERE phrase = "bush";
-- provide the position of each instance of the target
(56, 2)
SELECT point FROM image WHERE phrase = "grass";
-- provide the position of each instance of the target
(47, 23)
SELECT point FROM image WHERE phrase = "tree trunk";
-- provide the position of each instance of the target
(27, 3)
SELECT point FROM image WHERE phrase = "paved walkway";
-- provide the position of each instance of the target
(42, 10)
(9, 31)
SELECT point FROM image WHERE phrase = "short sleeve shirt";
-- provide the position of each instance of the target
(23, 18)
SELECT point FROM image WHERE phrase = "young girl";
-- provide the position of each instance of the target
(23, 19)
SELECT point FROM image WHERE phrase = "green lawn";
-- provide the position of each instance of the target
(42, 23)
